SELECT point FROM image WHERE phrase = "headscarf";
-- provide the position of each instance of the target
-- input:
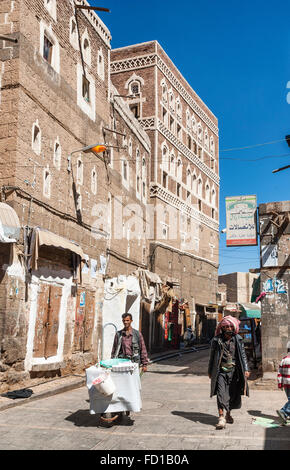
(228, 320)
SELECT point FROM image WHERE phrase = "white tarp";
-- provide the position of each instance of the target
(122, 295)
(127, 396)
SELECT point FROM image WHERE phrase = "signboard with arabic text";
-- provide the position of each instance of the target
(241, 214)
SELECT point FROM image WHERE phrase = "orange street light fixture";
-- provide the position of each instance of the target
(96, 149)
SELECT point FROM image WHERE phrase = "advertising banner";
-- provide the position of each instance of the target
(241, 214)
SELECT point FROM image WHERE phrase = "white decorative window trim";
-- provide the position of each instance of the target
(94, 183)
(134, 78)
(73, 33)
(156, 190)
(47, 31)
(80, 171)
(36, 144)
(86, 48)
(154, 59)
(47, 182)
(89, 108)
(50, 6)
(57, 154)
(101, 64)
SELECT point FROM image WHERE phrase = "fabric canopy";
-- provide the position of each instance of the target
(250, 310)
(9, 224)
(43, 237)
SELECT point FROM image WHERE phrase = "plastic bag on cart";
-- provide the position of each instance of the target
(101, 379)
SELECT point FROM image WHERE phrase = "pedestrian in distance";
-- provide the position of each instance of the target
(284, 384)
(129, 344)
(228, 369)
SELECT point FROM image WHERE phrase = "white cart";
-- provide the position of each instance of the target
(126, 397)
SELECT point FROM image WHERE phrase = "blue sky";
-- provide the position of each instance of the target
(236, 56)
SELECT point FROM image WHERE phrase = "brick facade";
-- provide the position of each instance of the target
(275, 281)
(184, 181)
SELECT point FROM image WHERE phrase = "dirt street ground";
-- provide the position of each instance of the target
(177, 415)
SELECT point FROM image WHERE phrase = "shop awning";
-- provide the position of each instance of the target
(44, 237)
(9, 224)
(250, 310)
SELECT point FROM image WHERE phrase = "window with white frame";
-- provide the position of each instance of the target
(171, 100)
(206, 141)
(130, 148)
(94, 181)
(80, 171)
(188, 120)
(165, 157)
(194, 184)
(213, 198)
(164, 230)
(164, 116)
(172, 164)
(212, 146)
(50, 6)
(36, 138)
(179, 169)
(57, 155)
(125, 172)
(199, 132)
(86, 96)
(138, 173)
(207, 193)
(164, 92)
(86, 48)
(49, 46)
(46, 182)
(178, 108)
(134, 88)
(73, 33)
(101, 65)
(199, 187)
(193, 124)
(188, 178)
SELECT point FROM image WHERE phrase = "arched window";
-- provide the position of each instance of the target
(199, 187)
(57, 155)
(46, 183)
(179, 169)
(36, 138)
(212, 146)
(199, 132)
(213, 198)
(206, 142)
(94, 181)
(165, 157)
(135, 88)
(73, 33)
(80, 171)
(101, 65)
(188, 177)
(130, 148)
(194, 184)
(86, 48)
(207, 192)
(172, 164)
(164, 91)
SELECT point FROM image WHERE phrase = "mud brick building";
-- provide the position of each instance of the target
(184, 178)
(275, 281)
(58, 202)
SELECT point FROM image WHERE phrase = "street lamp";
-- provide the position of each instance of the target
(96, 149)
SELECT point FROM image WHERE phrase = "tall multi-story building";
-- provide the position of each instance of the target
(184, 178)
(59, 202)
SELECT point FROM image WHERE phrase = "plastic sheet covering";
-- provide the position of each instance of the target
(127, 396)
(9, 224)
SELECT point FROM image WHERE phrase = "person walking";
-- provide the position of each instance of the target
(129, 344)
(284, 384)
(228, 369)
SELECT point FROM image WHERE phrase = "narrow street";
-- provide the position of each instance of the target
(177, 415)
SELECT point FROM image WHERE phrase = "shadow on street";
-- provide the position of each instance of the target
(202, 418)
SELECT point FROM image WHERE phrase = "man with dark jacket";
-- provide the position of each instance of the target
(228, 369)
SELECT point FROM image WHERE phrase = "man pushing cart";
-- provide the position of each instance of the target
(115, 386)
